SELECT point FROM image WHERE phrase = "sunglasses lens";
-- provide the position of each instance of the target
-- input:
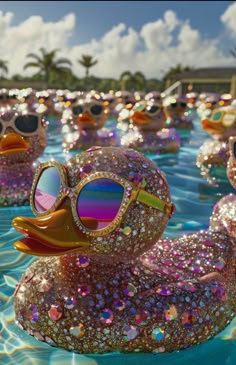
(183, 105)
(27, 123)
(1, 128)
(96, 109)
(100, 200)
(217, 116)
(174, 105)
(234, 149)
(152, 109)
(47, 189)
(78, 109)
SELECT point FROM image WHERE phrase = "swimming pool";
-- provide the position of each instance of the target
(194, 200)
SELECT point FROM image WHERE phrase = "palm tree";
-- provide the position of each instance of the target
(47, 64)
(132, 81)
(3, 67)
(88, 62)
(176, 70)
(233, 52)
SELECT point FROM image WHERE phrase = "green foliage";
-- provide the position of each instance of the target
(49, 68)
(233, 52)
(173, 71)
(87, 62)
(132, 81)
(3, 67)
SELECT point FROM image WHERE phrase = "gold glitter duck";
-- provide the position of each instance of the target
(107, 282)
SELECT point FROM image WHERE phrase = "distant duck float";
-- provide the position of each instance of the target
(175, 111)
(147, 132)
(22, 141)
(108, 282)
(84, 126)
(214, 152)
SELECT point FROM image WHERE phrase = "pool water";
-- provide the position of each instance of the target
(194, 199)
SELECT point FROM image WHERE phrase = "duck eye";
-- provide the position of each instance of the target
(152, 109)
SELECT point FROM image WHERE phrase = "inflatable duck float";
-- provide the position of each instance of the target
(175, 109)
(85, 125)
(224, 215)
(22, 141)
(107, 281)
(147, 130)
(214, 152)
(206, 103)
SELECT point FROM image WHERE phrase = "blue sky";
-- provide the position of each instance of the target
(125, 34)
(94, 18)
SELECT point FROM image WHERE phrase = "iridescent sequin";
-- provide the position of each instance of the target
(55, 312)
(84, 290)
(70, 302)
(82, 261)
(119, 304)
(130, 332)
(130, 290)
(142, 317)
(106, 316)
(78, 331)
(158, 334)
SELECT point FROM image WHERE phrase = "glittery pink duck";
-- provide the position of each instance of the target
(224, 214)
(22, 141)
(108, 283)
(85, 124)
(147, 131)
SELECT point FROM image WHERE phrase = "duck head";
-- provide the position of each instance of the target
(90, 114)
(108, 203)
(220, 122)
(148, 116)
(22, 136)
(175, 107)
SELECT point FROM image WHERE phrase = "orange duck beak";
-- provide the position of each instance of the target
(140, 118)
(52, 235)
(85, 118)
(13, 143)
(212, 127)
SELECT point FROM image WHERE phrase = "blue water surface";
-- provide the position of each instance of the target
(194, 200)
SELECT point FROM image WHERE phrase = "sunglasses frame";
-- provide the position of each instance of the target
(11, 123)
(87, 108)
(132, 193)
(148, 104)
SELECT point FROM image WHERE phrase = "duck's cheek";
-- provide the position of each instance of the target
(138, 231)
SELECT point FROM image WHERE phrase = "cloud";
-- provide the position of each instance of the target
(229, 19)
(155, 48)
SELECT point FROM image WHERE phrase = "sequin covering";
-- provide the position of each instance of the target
(131, 292)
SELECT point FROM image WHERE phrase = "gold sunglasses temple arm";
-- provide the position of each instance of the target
(155, 202)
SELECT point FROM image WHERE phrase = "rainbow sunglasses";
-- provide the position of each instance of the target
(101, 197)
